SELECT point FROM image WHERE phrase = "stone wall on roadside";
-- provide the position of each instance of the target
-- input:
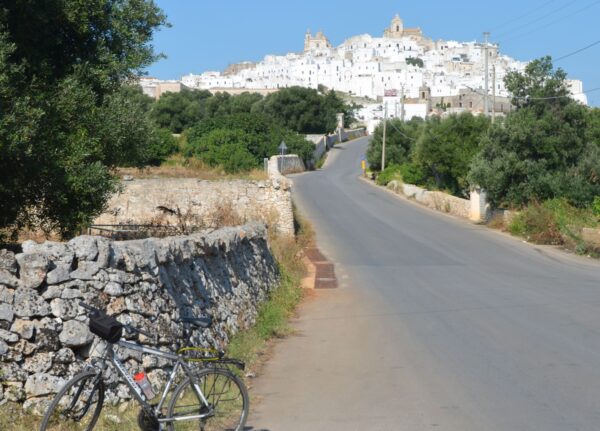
(285, 165)
(323, 143)
(208, 204)
(44, 335)
(436, 200)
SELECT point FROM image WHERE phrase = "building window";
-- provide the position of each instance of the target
(423, 95)
(460, 104)
(397, 28)
(470, 104)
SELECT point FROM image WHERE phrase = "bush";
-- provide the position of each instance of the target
(390, 173)
(553, 222)
(596, 206)
(258, 134)
(400, 139)
(411, 173)
(226, 148)
(161, 146)
(304, 110)
(549, 148)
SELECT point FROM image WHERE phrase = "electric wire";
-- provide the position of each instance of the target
(526, 14)
(541, 18)
(552, 22)
(577, 52)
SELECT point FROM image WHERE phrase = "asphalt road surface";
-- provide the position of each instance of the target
(438, 324)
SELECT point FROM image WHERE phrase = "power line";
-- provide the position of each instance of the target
(552, 12)
(526, 14)
(552, 22)
(578, 51)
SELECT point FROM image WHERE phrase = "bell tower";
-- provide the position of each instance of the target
(396, 28)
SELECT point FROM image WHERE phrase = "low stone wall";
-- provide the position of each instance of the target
(44, 337)
(437, 200)
(350, 134)
(191, 202)
(323, 143)
(591, 236)
(289, 164)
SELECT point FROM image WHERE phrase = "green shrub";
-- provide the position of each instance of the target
(161, 145)
(390, 173)
(553, 222)
(596, 206)
(411, 173)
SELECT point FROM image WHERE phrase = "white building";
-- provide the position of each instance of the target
(367, 66)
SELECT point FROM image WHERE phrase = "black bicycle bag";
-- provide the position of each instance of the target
(106, 327)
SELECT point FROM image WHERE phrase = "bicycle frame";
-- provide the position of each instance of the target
(112, 358)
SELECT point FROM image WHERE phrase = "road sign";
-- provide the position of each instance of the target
(282, 148)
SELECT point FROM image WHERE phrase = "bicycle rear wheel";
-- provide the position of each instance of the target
(77, 405)
(227, 397)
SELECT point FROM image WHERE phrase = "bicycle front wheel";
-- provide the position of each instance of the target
(77, 405)
(227, 399)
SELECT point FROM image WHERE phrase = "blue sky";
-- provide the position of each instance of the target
(209, 35)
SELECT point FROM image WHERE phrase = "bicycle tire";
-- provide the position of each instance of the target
(215, 383)
(70, 420)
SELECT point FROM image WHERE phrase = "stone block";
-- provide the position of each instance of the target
(33, 268)
(75, 334)
(591, 236)
(28, 303)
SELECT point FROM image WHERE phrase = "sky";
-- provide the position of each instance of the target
(210, 34)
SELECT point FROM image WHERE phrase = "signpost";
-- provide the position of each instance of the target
(282, 148)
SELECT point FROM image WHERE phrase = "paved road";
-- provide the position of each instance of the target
(438, 324)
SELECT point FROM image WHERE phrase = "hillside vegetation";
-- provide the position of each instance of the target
(543, 158)
(71, 113)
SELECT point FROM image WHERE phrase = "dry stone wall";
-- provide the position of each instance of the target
(436, 200)
(285, 165)
(44, 337)
(185, 201)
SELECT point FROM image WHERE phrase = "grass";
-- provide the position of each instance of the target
(249, 345)
(555, 222)
(321, 161)
(274, 314)
(178, 166)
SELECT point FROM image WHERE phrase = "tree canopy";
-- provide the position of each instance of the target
(64, 122)
(547, 149)
(257, 136)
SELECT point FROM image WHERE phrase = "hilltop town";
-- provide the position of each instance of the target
(401, 65)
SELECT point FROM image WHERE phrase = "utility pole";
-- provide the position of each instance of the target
(493, 93)
(486, 108)
(402, 103)
(384, 130)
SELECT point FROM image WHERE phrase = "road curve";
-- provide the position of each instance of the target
(438, 324)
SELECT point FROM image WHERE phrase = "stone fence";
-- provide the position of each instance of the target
(475, 208)
(44, 335)
(323, 143)
(287, 164)
(206, 204)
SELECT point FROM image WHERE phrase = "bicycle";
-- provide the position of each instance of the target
(211, 398)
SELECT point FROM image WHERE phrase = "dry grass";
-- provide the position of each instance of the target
(497, 222)
(272, 321)
(180, 167)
